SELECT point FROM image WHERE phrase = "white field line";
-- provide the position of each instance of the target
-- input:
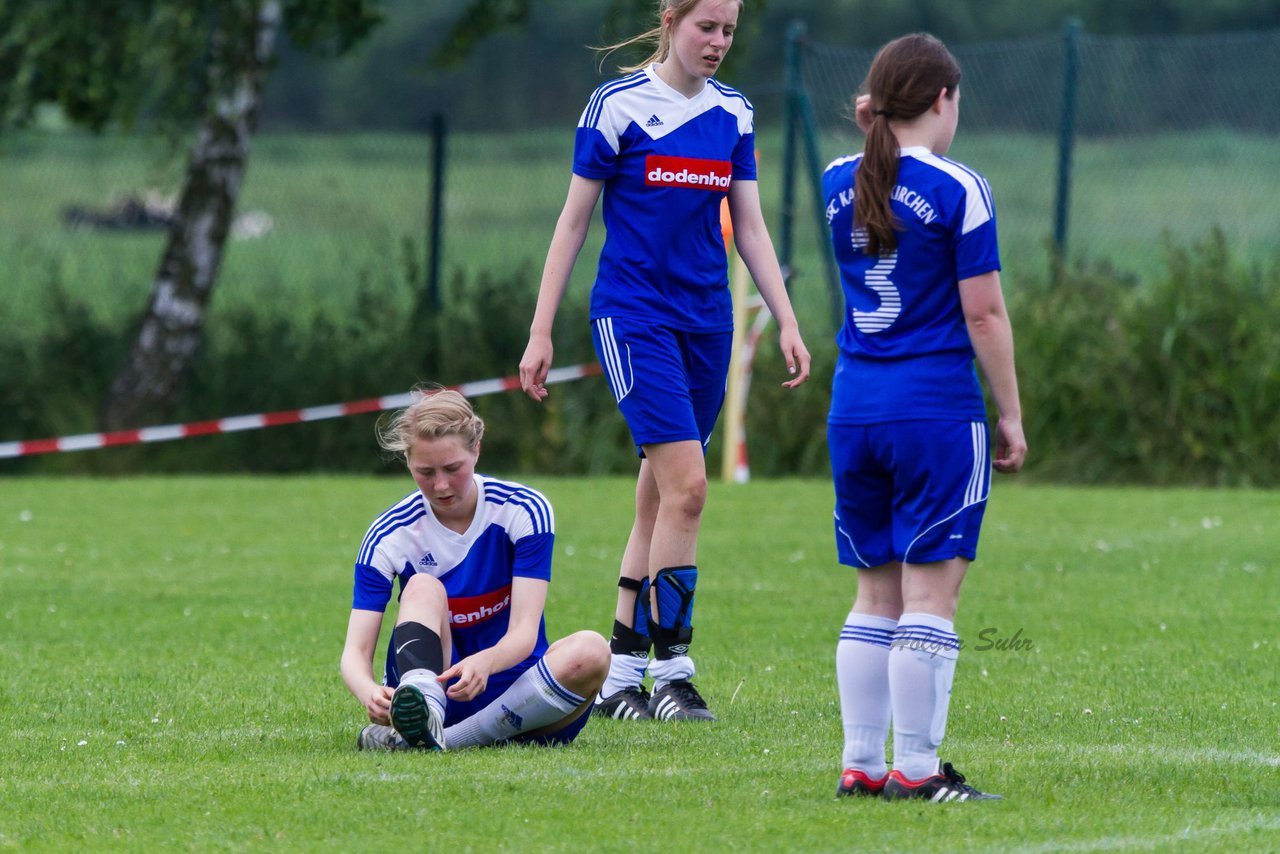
(1147, 843)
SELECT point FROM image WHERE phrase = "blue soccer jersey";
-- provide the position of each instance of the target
(667, 162)
(905, 352)
(511, 536)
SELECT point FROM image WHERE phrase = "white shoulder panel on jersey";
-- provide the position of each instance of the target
(840, 161)
(520, 510)
(978, 208)
(591, 116)
(405, 512)
(637, 99)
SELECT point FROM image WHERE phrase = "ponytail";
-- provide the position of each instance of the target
(905, 78)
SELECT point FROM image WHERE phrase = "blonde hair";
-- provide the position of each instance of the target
(438, 413)
(659, 36)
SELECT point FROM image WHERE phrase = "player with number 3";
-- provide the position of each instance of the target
(915, 237)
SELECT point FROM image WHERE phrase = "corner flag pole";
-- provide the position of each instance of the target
(733, 467)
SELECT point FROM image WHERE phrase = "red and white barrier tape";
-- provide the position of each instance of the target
(169, 432)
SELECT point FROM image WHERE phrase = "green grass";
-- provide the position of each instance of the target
(351, 209)
(170, 651)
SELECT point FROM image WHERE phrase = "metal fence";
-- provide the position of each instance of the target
(1102, 147)
(1168, 137)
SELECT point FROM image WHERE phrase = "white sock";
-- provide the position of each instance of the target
(862, 674)
(533, 701)
(425, 681)
(922, 666)
(676, 669)
(625, 671)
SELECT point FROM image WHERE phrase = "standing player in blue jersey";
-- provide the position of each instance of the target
(915, 236)
(468, 662)
(664, 145)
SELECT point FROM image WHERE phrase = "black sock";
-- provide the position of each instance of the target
(416, 647)
(627, 641)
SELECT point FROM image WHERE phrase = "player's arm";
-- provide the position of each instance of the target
(566, 243)
(528, 597)
(357, 664)
(992, 336)
(751, 237)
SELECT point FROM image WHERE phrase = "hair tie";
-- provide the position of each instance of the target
(888, 114)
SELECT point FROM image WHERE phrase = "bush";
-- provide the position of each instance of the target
(1175, 380)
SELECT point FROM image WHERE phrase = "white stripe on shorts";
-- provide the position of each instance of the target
(979, 481)
(611, 359)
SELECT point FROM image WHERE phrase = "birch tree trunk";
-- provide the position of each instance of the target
(170, 329)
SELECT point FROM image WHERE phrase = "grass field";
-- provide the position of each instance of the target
(352, 209)
(170, 651)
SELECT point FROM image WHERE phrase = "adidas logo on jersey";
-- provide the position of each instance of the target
(653, 122)
(428, 560)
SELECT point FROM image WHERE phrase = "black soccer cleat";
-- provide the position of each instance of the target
(629, 704)
(854, 784)
(942, 788)
(679, 701)
(379, 737)
(415, 719)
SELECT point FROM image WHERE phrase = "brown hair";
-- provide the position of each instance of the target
(905, 78)
(659, 36)
(439, 412)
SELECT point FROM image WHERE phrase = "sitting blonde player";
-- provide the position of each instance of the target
(468, 663)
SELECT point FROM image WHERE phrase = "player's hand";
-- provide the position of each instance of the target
(862, 113)
(797, 356)
(1011, 446)
(472, 674)
(378, 704)
(534, 366)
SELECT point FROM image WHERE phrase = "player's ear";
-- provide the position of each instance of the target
(937, 102)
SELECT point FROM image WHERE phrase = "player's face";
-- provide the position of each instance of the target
(702, 37)
(443, 468)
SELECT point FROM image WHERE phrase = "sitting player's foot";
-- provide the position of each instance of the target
(379, 737)
(854, 783)
(944, 787)
(415, 719)
(679, 701)
(629, 704)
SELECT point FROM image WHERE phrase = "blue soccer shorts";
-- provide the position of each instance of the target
(909, 491)
(669, 384)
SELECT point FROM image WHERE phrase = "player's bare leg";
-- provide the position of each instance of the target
(679, 470)
(623, 695)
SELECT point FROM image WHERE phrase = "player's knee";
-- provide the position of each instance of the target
(423, 592)
(586, 658)
(690, 495)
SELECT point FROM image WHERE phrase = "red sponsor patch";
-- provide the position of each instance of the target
(663, 171)
(469, 610)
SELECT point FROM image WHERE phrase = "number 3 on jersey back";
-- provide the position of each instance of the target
(869, 322)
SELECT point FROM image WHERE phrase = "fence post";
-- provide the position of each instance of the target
(1066, 137)
(435, 214)
(810, 124)
(786, 240)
